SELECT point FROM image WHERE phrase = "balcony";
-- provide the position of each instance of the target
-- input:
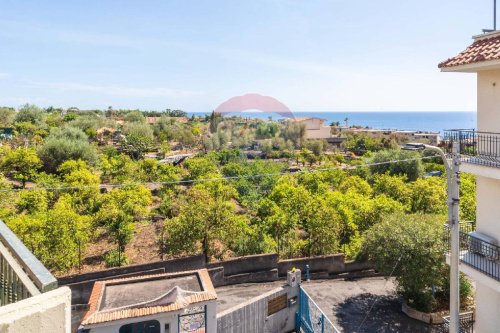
(21, 274)
(476, 252)
(479, 151)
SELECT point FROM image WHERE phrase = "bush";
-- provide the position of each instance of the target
(411, 169)
(66, 144)
(115, 258)
(411, 248)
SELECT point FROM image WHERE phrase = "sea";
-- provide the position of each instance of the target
(419, 121)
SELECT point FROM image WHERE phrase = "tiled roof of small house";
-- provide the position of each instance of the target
(484, 48)
(103, 307)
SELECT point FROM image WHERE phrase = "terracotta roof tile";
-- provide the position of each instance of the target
(94, 316)
(482, 49)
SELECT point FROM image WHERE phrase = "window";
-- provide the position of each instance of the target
(151, 326)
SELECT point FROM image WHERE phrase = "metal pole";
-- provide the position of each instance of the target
(453, 182)
(494, 15)
(453, 223)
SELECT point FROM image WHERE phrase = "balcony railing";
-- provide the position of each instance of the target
(21, 274)
(482, 148)
(466, 322)
(476, 252)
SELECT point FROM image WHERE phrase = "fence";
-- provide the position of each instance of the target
(482, 148)
(310, 318)
(466, 323)
(477, 252)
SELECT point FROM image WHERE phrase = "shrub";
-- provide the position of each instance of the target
(411, 169)
(115, 258)
(66, 144)
(411, 248)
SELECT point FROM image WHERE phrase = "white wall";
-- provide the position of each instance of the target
(488, 212)
(487, 310)
(488, 101)
(47, 312)
(251, 316)
(488, 199)
(164, 318)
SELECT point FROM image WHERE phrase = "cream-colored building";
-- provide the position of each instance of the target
(315, 127)
(480, 154)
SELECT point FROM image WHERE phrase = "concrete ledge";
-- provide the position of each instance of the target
(264, 276)
(353, 265)
(47, 312)
(333, 263)
(217, 276)
(429, 318)
(80, 292)
(172, 265)
(247, 264)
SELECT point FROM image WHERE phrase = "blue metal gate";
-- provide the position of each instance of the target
(310, 318)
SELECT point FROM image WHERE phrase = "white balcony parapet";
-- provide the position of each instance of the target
(22, 275)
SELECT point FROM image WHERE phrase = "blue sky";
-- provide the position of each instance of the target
(336, 55)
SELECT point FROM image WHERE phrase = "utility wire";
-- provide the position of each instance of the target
(191, 181)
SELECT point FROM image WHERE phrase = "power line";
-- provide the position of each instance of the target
(191, 181)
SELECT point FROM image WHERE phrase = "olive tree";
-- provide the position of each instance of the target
(409, 247)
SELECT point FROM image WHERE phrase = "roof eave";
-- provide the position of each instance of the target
(473, 67)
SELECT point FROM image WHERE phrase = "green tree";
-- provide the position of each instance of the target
(428, 195)
(139, 138)
(30, 113)
(410, 166)
(119, 209)
(66, 144)
(467, 197)
(214, 221)
(58, 237)
(201, 167)
(85, 192)
(66, 235)
(356, 184)
(33, 202)
(22, 164)
(7, 116)
(118, 169)
(410, 247)
(394, 187)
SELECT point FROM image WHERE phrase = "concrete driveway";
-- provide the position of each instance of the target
(346, 303)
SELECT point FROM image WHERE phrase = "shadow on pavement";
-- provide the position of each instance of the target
(385, 316)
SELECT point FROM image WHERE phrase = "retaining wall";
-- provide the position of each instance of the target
(248, 269)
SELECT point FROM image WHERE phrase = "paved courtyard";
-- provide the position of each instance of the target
(347, 303)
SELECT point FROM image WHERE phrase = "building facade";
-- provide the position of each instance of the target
(315, 127)
(480, 155)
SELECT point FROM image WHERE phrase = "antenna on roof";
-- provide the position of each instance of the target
(494, 18)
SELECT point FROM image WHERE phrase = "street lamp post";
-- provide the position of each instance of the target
(453, 181)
